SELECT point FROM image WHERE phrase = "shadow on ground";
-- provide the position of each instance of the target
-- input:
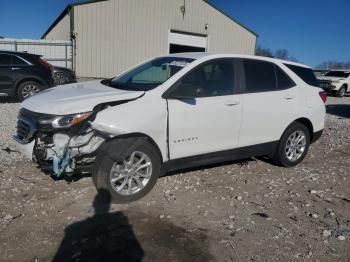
(341, 110)
(129, 236)
(103, 237)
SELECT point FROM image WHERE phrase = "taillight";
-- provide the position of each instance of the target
(45, 64)
(323, 96)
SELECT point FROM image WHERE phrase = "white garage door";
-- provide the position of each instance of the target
(184, 39)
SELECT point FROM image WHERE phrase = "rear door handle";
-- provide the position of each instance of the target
(289, 97)
(232, 103)
(15, 68)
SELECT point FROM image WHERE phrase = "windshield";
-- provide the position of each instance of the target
(149, 75)
(338, 74)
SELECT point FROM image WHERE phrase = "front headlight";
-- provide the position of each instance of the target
(70, 120)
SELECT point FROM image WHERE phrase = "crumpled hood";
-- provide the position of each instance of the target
(76, 98)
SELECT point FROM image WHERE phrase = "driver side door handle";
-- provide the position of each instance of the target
(232, 103)
(289, 97)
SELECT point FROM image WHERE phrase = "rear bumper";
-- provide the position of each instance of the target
(316, 136)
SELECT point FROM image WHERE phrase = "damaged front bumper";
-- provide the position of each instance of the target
(25, 149)
(57, 151)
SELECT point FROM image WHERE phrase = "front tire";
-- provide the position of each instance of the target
(127, 169)
(293, 145)
(28, 89)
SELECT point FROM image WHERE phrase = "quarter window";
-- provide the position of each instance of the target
(283, 80)
(259, 76)
(215, 78)
(306, 74)
(5, 60)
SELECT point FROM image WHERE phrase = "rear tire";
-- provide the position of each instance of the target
(116, 165)
(293, 145)
(28, 89)
(341, 92)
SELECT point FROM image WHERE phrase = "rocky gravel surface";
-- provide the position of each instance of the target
(8, 118)
(248, 210)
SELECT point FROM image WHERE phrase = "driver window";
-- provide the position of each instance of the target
(215, 78)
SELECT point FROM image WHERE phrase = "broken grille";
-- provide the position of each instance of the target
(25, 129)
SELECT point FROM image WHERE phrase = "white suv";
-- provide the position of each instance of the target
(336, 82)
(172, 113)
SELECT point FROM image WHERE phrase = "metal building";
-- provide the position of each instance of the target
(109, 36)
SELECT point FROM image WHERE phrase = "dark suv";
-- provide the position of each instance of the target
(23, 75)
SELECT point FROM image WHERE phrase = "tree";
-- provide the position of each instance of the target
(279, 53)
(282, 54)
(261, 51)
(334, 65)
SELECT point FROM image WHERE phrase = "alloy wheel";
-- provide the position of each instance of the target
(132, 174)
(30, 90)
(295, 146)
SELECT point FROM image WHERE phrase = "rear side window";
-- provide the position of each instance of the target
(259, 76)
(5, 60)
(283, 80)
(18, 61)
(306, 74)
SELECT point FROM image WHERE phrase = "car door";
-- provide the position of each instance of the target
(204, 110)
(269, 102)
(6, 79)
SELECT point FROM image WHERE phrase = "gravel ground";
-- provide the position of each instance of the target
(8, 118)
(243, 211)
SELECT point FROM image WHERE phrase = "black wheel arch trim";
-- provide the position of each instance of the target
(133, 140)
(264, 149)
(316, 136)
(29, 78)
(302, 120)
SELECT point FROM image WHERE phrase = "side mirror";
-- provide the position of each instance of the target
(184, 91)
(179, 96)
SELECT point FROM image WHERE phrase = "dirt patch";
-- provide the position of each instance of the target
(41, 233)
(241, 211)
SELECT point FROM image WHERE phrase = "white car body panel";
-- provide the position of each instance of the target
(76, 98)
(266, 115)
(309, 104)
(144, 115)
(208, 125)
(203, 125)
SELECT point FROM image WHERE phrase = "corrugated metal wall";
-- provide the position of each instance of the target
(116, 34)
(56, 52)
(61, 31)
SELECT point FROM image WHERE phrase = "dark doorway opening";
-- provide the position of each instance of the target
(184, 49)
